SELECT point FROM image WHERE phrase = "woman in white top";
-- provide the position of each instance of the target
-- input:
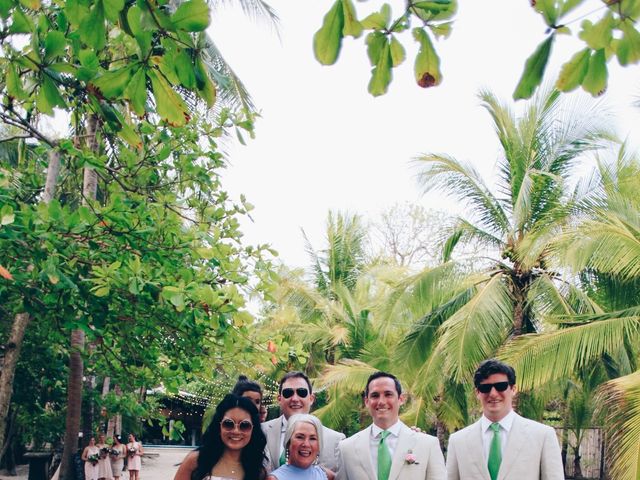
(232, 447)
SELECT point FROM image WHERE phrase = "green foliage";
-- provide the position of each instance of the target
(608, 32)
(384, 47)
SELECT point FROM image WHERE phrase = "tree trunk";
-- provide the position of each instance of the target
(76, 366)
(12, 352)
(74, 405)
(577, 467)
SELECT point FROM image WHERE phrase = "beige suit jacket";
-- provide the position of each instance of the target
(532, 452)
(357, 464)
(329, 453)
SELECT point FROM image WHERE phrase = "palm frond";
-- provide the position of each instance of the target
(476, 330)
(447, 174)
(257, 10)
(541, 358)
(620, 403)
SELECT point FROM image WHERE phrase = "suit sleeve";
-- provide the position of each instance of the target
(551, 467)
(435, 468)
(338, 453)
(341, 473)
(452, 462)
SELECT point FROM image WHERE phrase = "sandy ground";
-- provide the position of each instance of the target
(161, 464)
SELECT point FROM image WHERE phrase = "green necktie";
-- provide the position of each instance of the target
(495, 452)
(283, 458)
(384, 457)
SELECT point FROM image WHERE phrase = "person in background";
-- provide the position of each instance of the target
(104, 464)
(252, 390)
(232, 447)
(303, 442)
(502, 443)
(91, 455)
(117, 454)
(134, 457)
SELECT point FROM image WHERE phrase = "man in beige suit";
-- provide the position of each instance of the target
(295, 396)
(388, 449)
(502, 445)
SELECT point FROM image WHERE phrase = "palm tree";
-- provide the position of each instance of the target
(604, 249)
(531, 204)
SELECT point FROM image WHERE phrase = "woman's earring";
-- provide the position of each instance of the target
(317, 460)
(286, 456)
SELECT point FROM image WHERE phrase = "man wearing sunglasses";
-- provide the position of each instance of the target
(295, 396)
(502, 445)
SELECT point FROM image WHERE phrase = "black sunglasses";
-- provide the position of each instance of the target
(499, 386)
(228, 425)
(288, 392)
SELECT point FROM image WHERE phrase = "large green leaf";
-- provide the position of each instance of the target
(375, 43)
(398, 54)
(436, 10)
(574, 71)
(427, 64)
(14, 84)
(112, 9)
(49, 96)
(113, 82)
(629, 45)
(549, 10)
(21, 22)
(328, 40)
(89, 65)
(191, 16)
(92, 28)
(595, 81)
(169, 105)
(534, 70)
(381, 73)
(185, 70)
(599, 35)
(5, 7)
(351, 24)
(136, 92)
(205, 85)
(54, 44)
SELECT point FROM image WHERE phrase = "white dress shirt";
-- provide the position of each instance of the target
(283, 430)
(392, 441)
(487, 433)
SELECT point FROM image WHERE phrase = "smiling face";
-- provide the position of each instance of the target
(383, 402)
(496, 405)
(303, 446)
(236, 439)
(295, 403)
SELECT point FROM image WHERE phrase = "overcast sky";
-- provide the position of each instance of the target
(324, 143)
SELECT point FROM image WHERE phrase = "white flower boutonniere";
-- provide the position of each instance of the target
(410, 458)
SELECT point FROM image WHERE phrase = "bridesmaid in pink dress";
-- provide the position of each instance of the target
(134, 454)
(90, 456)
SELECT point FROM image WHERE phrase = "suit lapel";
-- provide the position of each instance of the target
(363, 453)
(475, 450)
(273, 441)
(406, 442)
(515, 442)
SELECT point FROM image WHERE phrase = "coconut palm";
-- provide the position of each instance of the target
(515, 221)
(604, 249)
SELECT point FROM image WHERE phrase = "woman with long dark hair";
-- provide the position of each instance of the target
(232, 447)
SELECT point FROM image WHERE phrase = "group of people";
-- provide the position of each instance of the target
(106, 462)
(501, 445)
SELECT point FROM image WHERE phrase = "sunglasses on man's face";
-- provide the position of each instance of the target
(288, 392)
(229, 425)
(499, 386)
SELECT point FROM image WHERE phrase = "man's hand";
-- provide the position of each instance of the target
(330, 473)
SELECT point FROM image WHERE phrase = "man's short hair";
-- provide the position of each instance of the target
(294, 374)
(490, 367)
(377, 375)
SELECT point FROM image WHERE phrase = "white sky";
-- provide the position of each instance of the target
(324, 143)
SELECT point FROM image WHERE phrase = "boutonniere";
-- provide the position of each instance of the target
(410, 458)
